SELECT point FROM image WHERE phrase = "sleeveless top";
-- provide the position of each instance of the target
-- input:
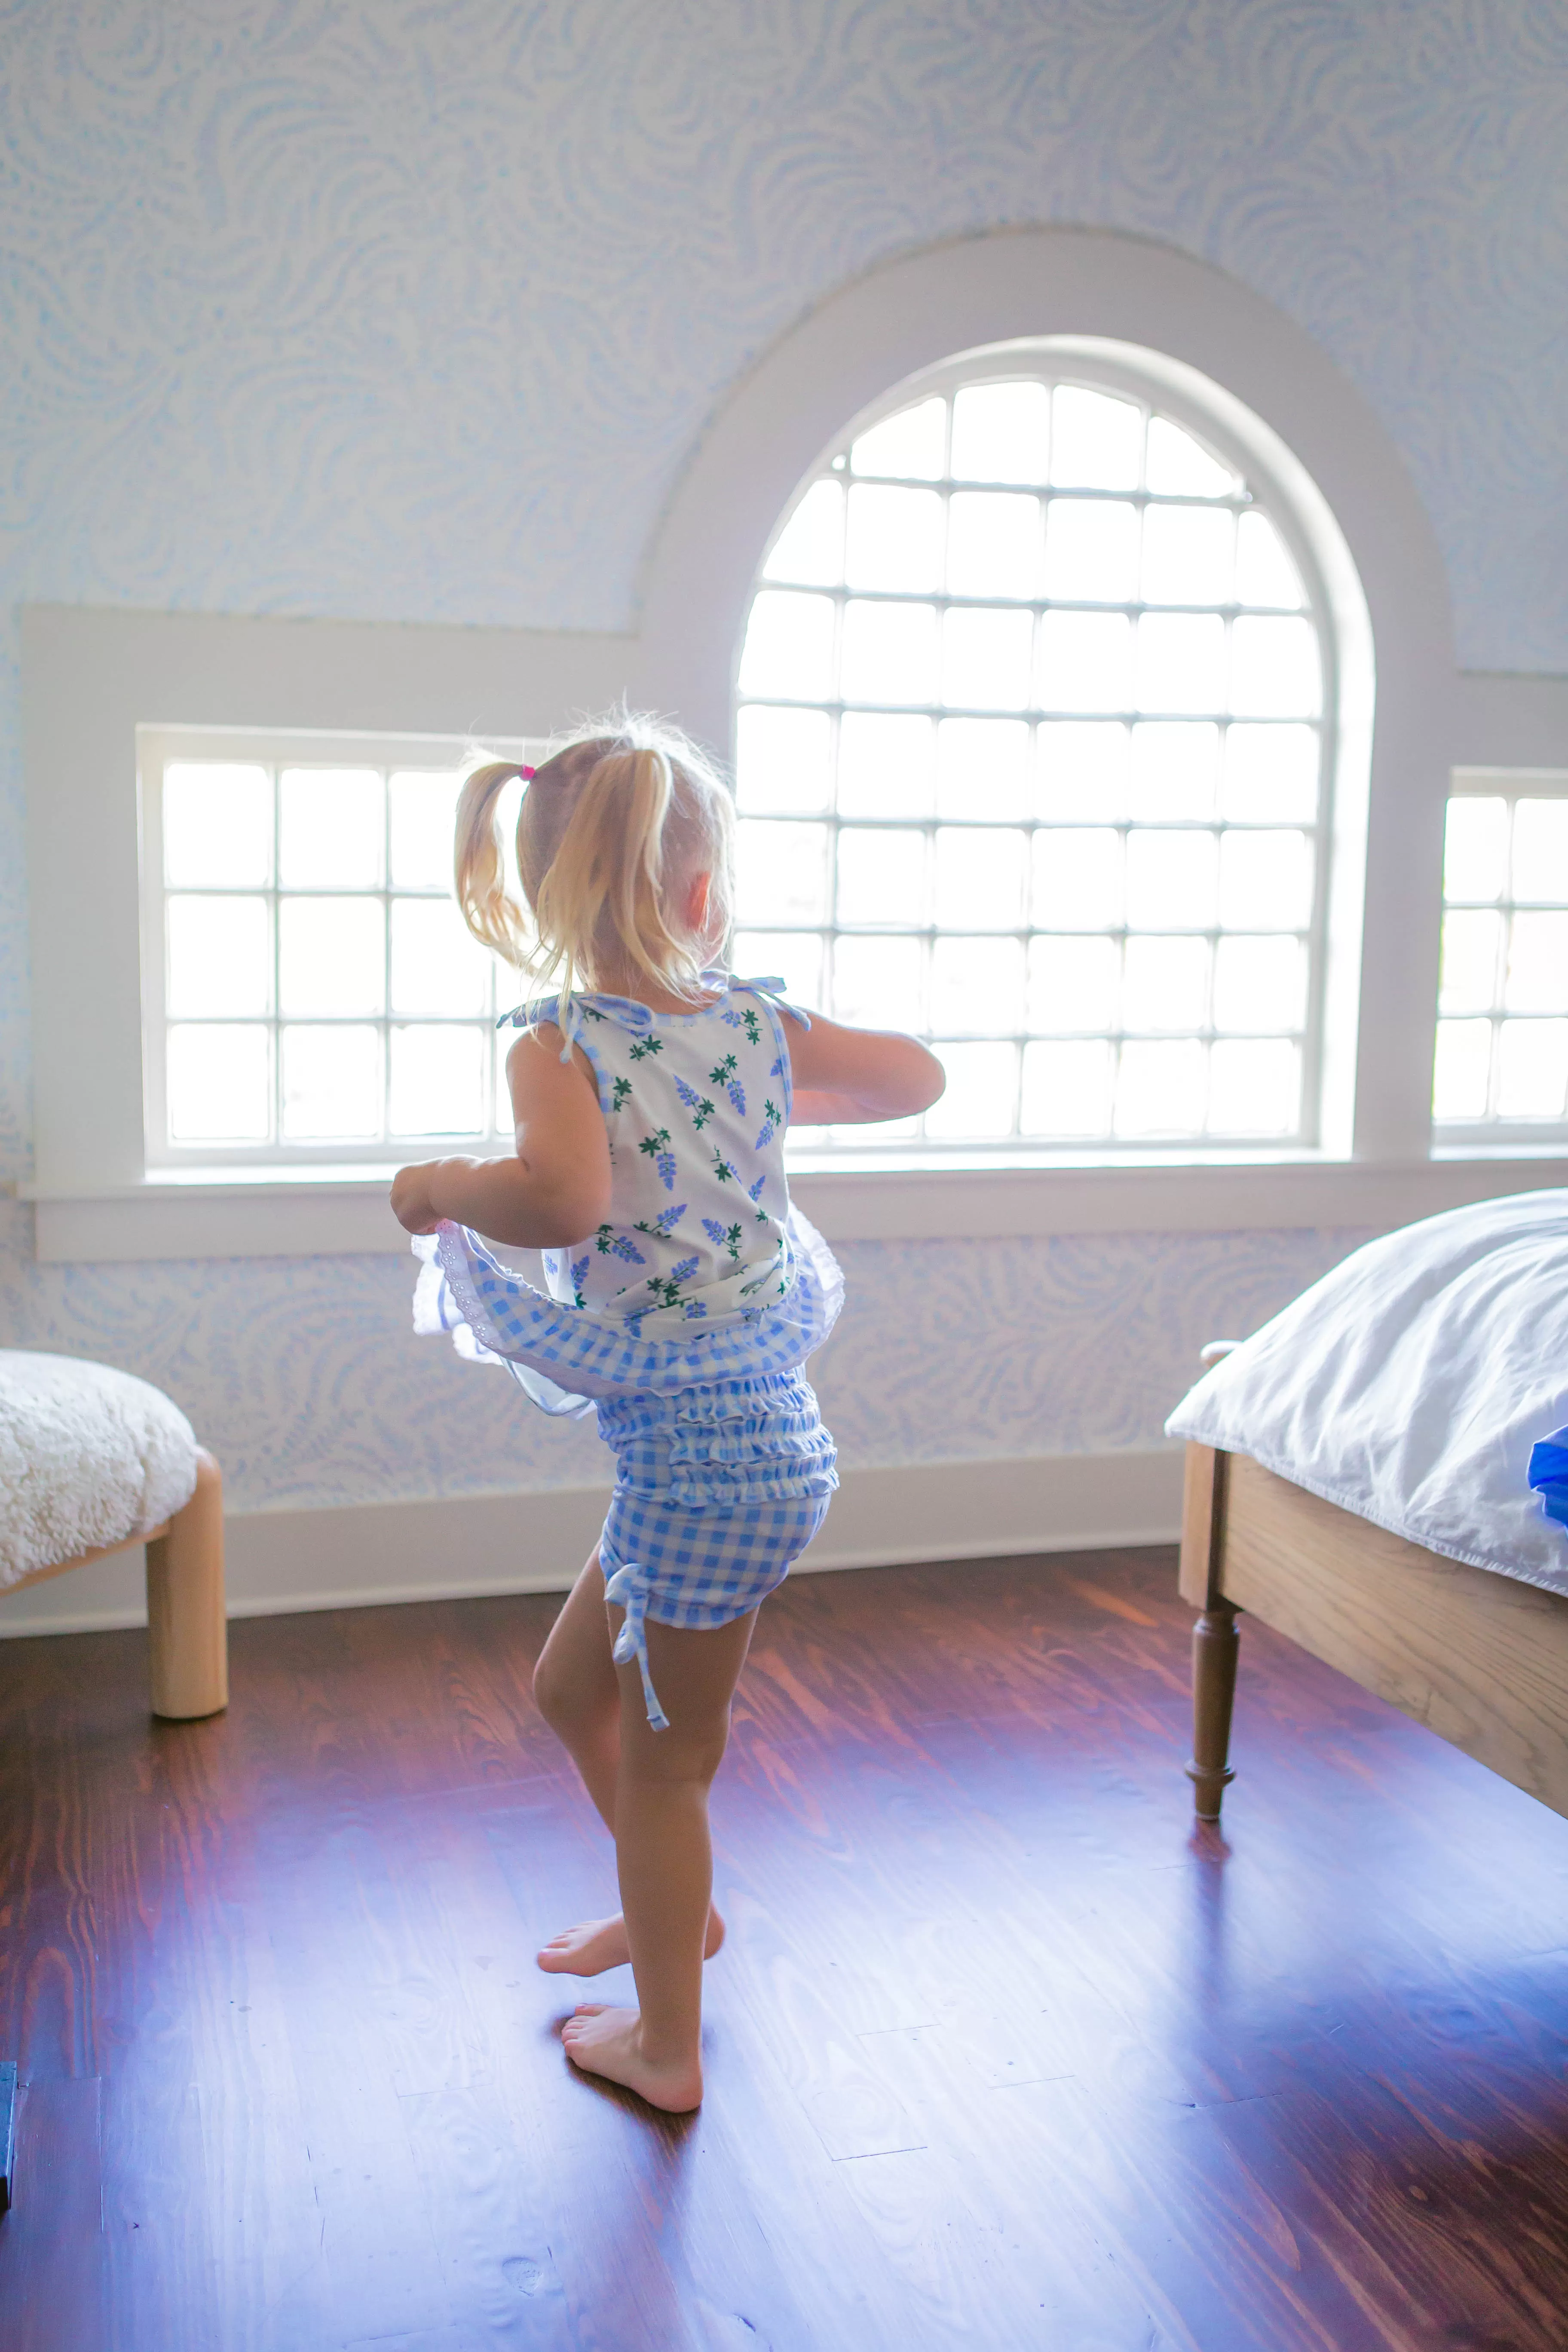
(703, 1270)
(695, 1105)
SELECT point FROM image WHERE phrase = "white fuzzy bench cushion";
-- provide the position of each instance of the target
(88, 1457)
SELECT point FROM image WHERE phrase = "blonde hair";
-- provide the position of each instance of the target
(615, 824)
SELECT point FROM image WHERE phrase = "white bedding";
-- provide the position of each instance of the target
(1410, 1384)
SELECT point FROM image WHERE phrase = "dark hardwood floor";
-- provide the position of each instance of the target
(1000, 2053)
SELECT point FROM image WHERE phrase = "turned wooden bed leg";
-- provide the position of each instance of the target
(1215, 1638)
(1215, 1643)
(185, 1616)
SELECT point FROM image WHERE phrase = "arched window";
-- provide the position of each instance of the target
(1033, 753)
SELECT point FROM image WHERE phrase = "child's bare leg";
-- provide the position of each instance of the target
(578, 1693)
(665, 1860)
(576, 1690)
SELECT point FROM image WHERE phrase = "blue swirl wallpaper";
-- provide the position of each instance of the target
(414, 309)
(303, 1379)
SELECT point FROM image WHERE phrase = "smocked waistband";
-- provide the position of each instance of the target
(722, 1442)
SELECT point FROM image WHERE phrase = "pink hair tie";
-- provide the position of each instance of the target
(528, 775)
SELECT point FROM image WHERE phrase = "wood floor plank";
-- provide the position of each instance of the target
(53, 2275)
(490, 2217)
(999, 2052)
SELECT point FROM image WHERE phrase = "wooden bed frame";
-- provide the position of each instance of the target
(1478, 1658)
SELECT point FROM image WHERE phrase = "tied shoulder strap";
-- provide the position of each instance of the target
(575, 1023)
(772, 990)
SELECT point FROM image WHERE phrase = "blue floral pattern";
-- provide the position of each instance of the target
(667, 1134)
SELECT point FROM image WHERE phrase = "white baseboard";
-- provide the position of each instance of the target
(366, 1554)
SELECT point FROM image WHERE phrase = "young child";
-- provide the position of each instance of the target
(651, 1094)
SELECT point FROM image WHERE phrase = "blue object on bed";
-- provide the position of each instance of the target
(1548, 1474)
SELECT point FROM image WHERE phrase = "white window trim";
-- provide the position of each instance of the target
(91, 677)
(331, 1213)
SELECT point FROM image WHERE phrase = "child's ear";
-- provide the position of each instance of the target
(698, 896)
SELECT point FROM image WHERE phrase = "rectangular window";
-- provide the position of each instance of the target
(1502, 1071)
(310, 991)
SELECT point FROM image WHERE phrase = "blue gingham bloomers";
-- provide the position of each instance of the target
(683, 1567)
(686, 1332)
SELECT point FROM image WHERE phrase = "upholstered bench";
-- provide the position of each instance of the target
(92, 1460)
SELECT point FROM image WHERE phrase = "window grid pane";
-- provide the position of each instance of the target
(323, 1018)
(1145, 776)
(1501, 1064)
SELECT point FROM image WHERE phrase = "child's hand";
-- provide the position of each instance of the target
(411, 1201)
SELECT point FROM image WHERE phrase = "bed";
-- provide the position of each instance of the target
(1356, 1478)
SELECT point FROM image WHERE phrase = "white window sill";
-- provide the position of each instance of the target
(334, 1213)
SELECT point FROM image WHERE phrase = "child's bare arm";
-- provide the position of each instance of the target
(847, 1076)
(554, 1189)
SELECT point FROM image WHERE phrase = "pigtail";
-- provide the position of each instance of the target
(613, 825)
(606, 879)
(489, 910)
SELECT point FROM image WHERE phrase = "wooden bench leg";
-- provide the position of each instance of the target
(1216, 1642)
(185, 1615)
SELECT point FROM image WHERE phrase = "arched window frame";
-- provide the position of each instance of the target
(1281, 392)
(1272, 481)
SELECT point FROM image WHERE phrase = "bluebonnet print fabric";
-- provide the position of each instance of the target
(695, 1105)
(660, 1296)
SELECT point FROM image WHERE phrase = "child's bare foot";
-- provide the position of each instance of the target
(609, 2042)
(596, 1944)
